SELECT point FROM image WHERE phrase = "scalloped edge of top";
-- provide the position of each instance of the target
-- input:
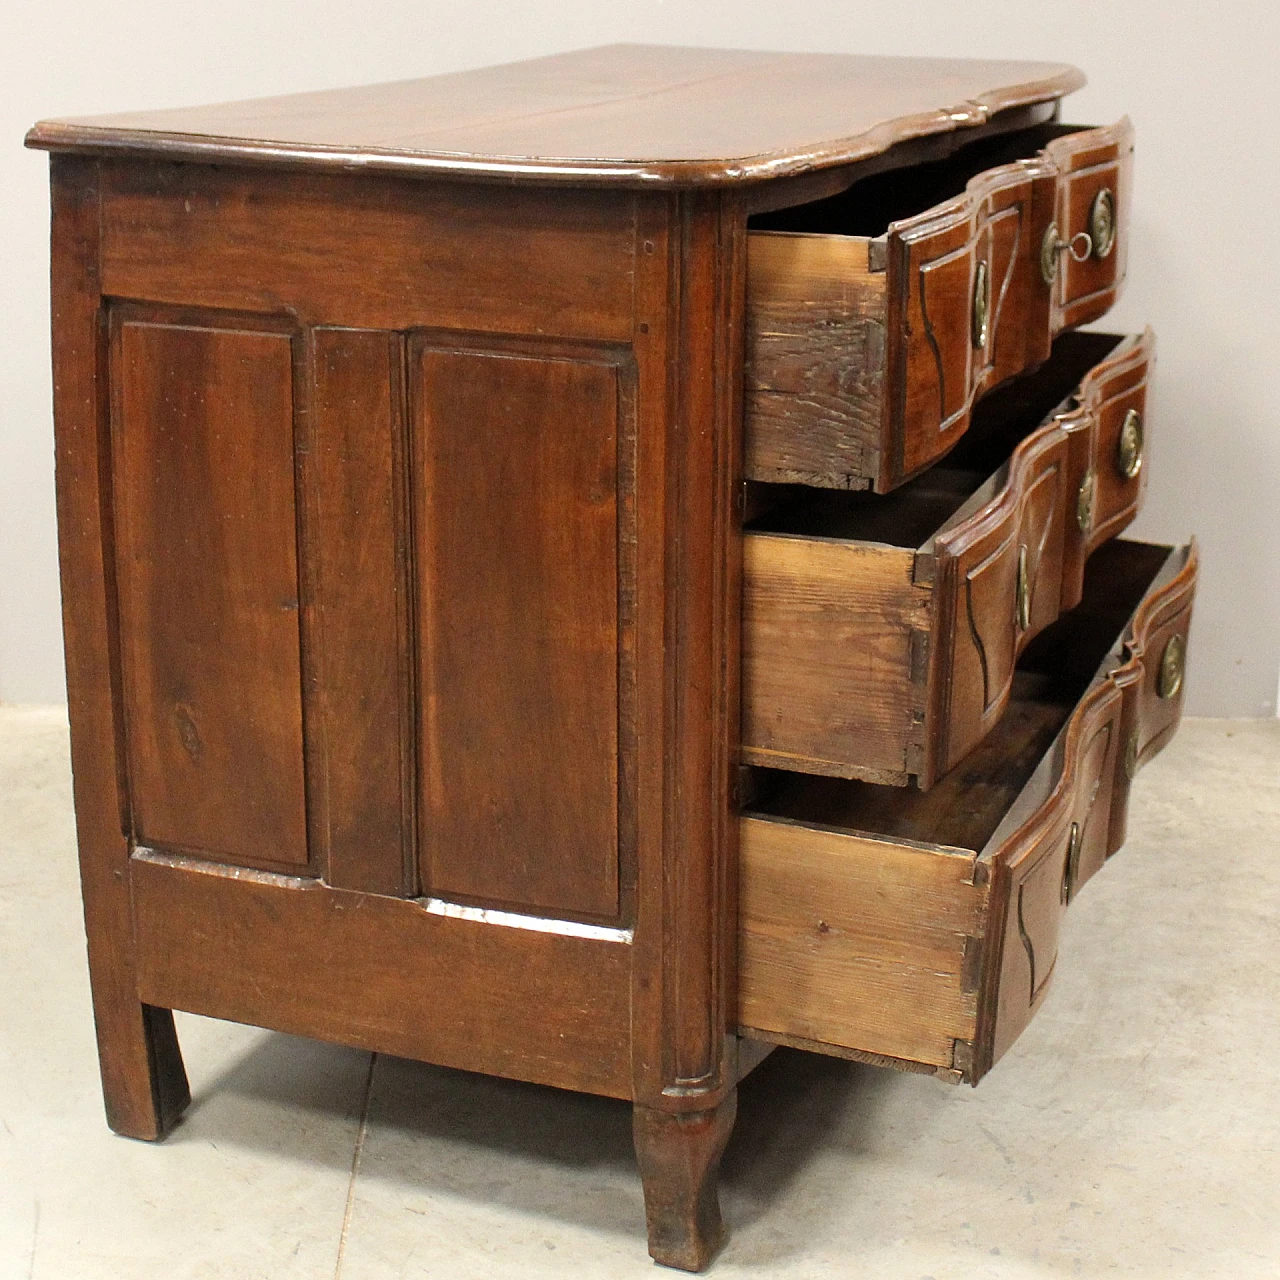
(86, 138)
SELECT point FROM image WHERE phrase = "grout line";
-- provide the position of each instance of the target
(355, 1167)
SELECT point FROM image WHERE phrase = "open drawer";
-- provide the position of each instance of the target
(920, 929)
(877, 317)
(880, 632)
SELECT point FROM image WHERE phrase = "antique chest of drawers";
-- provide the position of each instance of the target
(588, 570)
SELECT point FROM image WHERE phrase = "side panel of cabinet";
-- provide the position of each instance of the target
(204, 504)
(516, 520)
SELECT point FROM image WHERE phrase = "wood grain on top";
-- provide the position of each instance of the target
(633, 114)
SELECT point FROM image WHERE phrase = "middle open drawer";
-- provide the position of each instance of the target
(880, 632)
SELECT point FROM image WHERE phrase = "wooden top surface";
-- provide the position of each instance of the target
(637, 115)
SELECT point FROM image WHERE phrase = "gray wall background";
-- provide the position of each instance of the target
(1198, 80)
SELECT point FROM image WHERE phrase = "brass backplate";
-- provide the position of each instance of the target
(1071, 867)
(1129, 445)
(1049, 254)
(1102, 223)
(1172, 662)
(1023, 603)
(1131, 754)
(981, 305)
(1084, 501)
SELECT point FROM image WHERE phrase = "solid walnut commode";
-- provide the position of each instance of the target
(587, 570)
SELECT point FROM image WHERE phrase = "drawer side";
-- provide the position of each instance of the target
(855, 942)
(833, 638)
(814, 360)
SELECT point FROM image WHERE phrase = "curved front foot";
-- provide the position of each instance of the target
(679, 1158)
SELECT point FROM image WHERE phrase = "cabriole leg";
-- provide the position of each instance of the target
(679, 1157)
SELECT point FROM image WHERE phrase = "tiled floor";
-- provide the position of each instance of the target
(1133, 1131)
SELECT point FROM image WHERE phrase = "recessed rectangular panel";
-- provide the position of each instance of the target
(202, 439)
(515, 462)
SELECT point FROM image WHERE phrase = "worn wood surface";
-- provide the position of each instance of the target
(202, 441)
(923, 926)
(362, 790)
(381, 973)
(352, 250)
(642, 115)
(815, 360)
(828, 633)
(881, 631)
(516, 559)
(679, 1158)
(890, 316)
(144, 1083)
(855, 941)
(464, 469)
(457, 774)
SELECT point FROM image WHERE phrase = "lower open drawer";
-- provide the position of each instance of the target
(920, 929)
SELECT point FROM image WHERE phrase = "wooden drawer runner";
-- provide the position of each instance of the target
(920, 929)
(877, 317)
(880, 631)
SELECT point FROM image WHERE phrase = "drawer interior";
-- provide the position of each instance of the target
(913, 513)
(867, 207)
(965, 807)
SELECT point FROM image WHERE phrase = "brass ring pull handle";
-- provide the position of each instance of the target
(1022, 603)
(1129, 445)
(1080, 247)
(1102, 223)
(981, 305)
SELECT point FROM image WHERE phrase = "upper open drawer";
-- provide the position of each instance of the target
(876, 317)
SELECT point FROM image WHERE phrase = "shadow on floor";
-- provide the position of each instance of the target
(536, 1150)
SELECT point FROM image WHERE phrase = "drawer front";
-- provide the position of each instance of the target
(967, 309)
(998, 584)
(1093, 171)
(1038, 869)
(979, 288)
(865, 356)
(1013, 567)
(932, 957)
(1152, 683)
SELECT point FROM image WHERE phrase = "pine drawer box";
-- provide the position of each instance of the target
(402, 440)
